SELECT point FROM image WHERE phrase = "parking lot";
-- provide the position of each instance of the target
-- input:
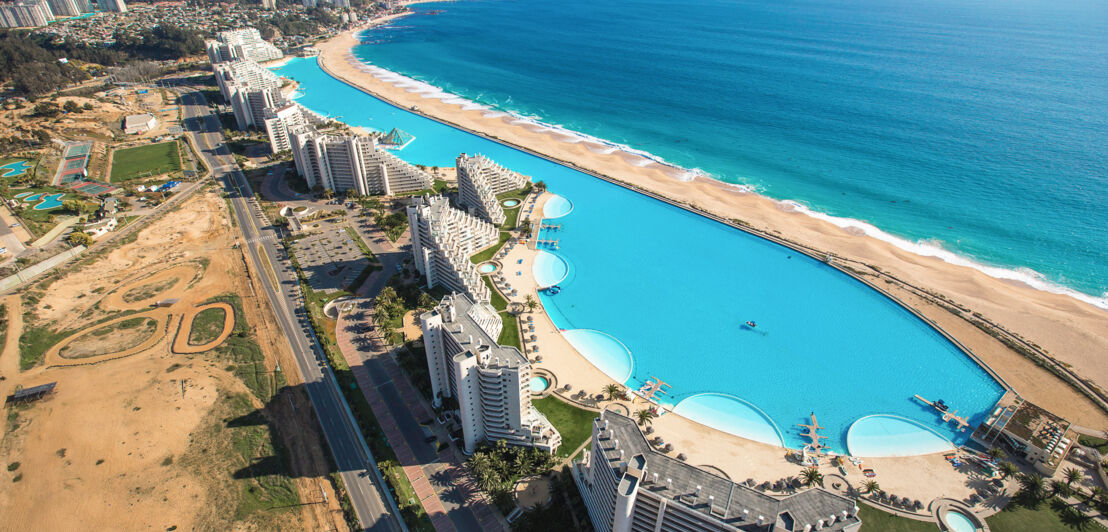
(330, 260)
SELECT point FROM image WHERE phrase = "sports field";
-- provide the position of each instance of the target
(145, 161)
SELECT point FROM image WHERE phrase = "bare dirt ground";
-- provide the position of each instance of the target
(140, 438)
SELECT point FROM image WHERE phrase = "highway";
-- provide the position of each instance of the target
(375, 508)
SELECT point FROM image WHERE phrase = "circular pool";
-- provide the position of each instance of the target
(510, 203)
(956, 521)
(556, 207)
(488, 267)
(539, 384)
(549, 269)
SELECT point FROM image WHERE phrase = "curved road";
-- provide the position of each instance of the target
(373, 504)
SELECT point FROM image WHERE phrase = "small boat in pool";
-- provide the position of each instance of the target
(751, 324)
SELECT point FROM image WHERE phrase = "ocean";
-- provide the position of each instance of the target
(975, 131)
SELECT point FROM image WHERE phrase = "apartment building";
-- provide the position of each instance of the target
(480, 180)
(343, 163)
(443, 239)
(26, 14)
(118, 6)
(64, 8)
(279, 121)
(245, 43)
(491, 383)
(627, 485)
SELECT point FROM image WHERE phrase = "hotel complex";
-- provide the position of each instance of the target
(26, 14)
(490, 382)
(250, 88)
(279, 121)
(443, 239)
(245, 43)
(480, 180)
(628, 486)
(352, 163)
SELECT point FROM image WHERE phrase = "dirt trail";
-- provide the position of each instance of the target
(9, 359)
(181, 344)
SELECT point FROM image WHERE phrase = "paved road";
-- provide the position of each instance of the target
(374, 506)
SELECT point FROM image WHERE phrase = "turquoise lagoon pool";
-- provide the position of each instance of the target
(14, 169)
(653, 290)
(539, 384)
(49, 202)
(958, 522)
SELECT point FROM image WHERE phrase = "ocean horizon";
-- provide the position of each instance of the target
(905, 156)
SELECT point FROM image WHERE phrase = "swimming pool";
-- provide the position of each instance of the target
(510, 203)
(14, 169)
(49, 202)
(539, 384)
(556, 206)
(958, 522)
(650, 289)
(487, 267)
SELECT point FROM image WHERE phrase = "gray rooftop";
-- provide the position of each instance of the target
(719, 497)
(464, 326)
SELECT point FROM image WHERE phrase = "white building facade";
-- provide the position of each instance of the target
(118, 6)
(443, 239)
(250, 88)
(245, 43)
(26, 14)
(342, 163)
(480, 180)
(491, 383)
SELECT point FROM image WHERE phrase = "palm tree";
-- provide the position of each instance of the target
(811, 476)
(1008, 469)
(426, 301)
(1094, 493)
(1072, 475)
(1033, 487)
(871, 486)
(995, 453)
(612, 391)
(645, 416)
(531, 303)
(1057, 487)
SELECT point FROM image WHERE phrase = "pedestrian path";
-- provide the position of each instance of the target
(447, 466)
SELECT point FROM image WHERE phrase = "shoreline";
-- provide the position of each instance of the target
(1038, 314)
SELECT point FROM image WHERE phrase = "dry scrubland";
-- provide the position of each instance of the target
(163, 417)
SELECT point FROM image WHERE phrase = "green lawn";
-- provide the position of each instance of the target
(511, 217)
(874, 520)
(1100, 444)
(1045, 518)
(498, 302)
(488, 253)
(509, 335)
(574, 424)
(145, 161)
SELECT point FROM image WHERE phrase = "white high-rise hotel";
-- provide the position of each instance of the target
(443, 239)
(492, 383)
(250, 88)
(480, 180)
(244, 43)
(343, 163)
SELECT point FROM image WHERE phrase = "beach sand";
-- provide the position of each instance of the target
(1072, 331)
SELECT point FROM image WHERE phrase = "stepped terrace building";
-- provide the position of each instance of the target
(278, 121)
(26, 14)
(480, 180)
(627, 486)
(342, 163)
(492, 383)
(250, 89)
(244, 43)
(443, 239)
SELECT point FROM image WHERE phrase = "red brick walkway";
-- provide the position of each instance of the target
(449, 461)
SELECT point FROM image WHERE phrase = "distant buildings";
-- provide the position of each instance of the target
(64, 8)
(342, 163)
(491, 383)
(443, 239)
(269, 4)
(244, 43)
(135, 124)
(627, 485)
(118, 6)
(26, 14)
(480, 180)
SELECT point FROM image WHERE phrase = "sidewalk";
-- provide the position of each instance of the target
(440, 481)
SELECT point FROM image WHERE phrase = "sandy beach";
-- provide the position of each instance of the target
(1073, 332)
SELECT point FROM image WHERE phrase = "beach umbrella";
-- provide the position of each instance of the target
(539, 358)
(749, 482)
(918, 505)
(906, 501)
(682, 457)
(650, 430)
(669, 448)
(567, 387)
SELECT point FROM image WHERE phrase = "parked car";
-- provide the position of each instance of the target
(16, 224)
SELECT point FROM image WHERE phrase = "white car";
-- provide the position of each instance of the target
(16, 224)
(3, 251)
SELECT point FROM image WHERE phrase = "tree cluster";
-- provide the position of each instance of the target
(32, 69)
(496, 468)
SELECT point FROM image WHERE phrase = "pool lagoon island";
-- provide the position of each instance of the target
(1071, 331)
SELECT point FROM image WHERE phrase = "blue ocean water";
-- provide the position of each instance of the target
(824, 342)
(980, 127)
